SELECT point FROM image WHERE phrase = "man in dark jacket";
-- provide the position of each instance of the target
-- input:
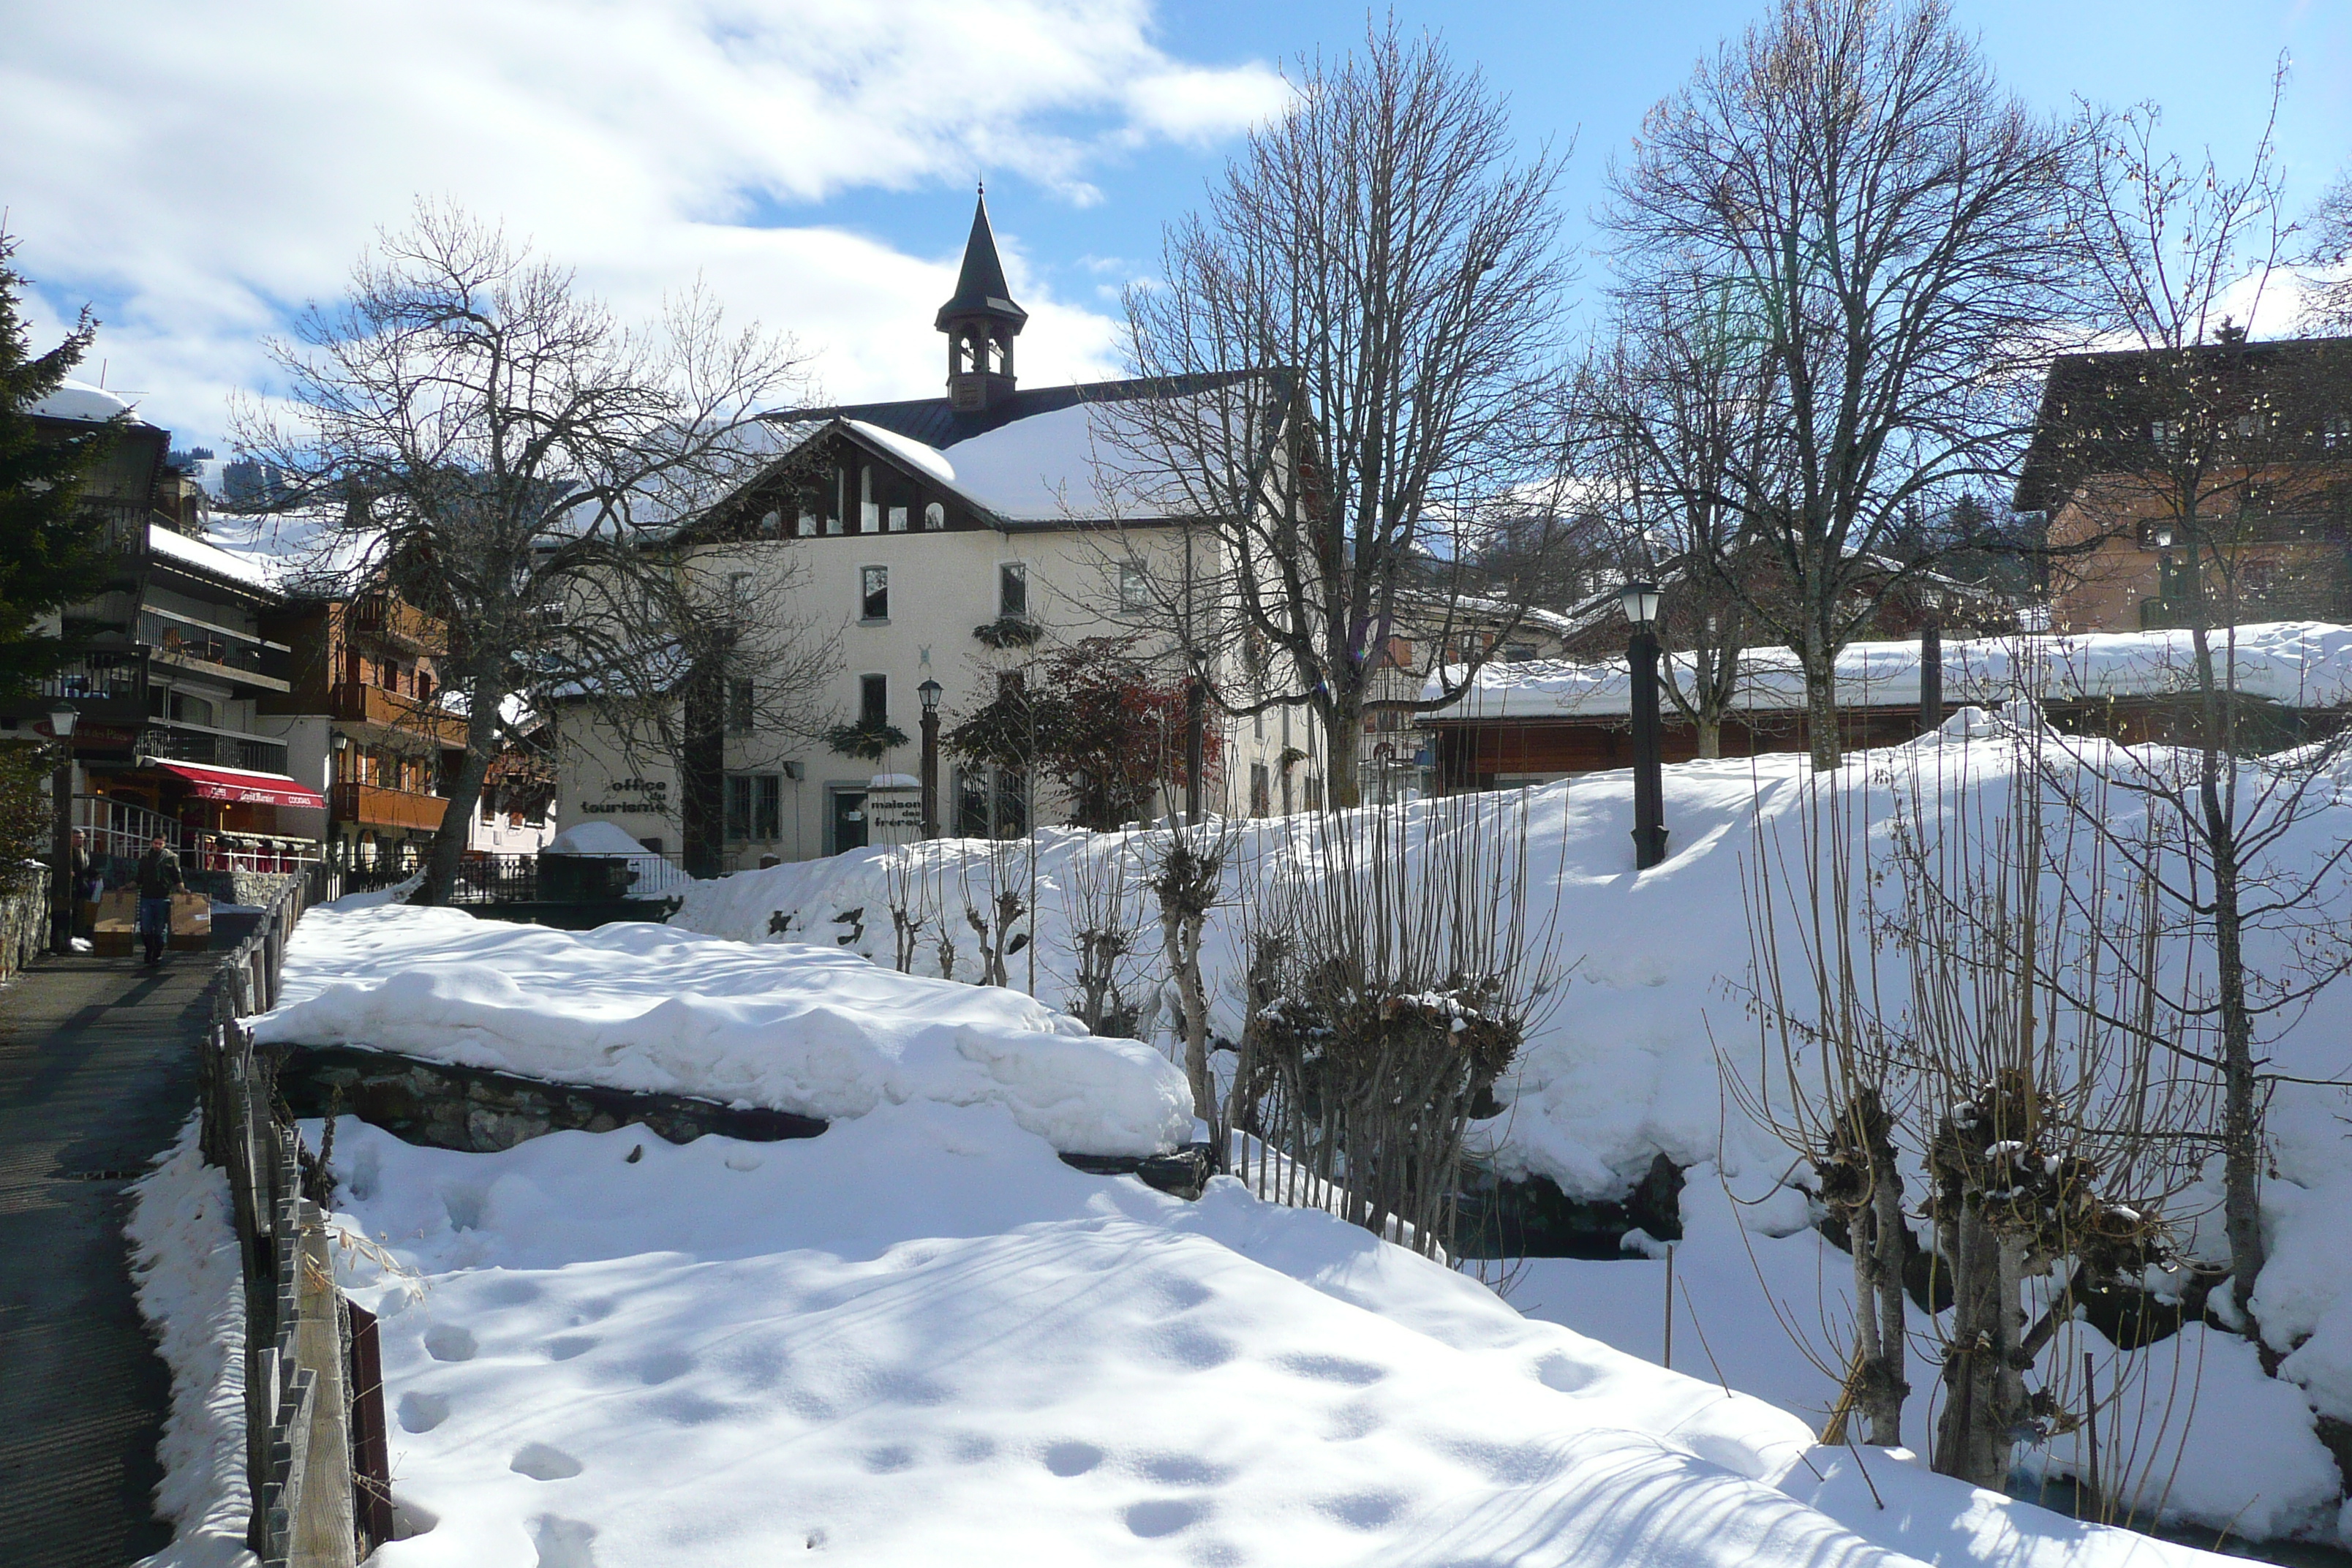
(158, 878)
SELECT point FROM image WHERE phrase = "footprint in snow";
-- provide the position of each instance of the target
(544, 1462)
(1073, 1458)
(448, 1341)
(423, 1411)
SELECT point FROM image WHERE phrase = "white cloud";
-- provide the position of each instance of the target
(203, 169)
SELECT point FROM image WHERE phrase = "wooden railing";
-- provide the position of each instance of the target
(355, 702)
(306, 1413)
(373, 806)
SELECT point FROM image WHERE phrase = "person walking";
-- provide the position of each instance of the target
(158, 878)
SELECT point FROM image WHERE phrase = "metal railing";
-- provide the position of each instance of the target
(302, 1402)
(213, 748)
(119, 830)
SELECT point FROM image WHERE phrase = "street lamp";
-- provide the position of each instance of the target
(62, 719)
(930, 692)
(1640, 599)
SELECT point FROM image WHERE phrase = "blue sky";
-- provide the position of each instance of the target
(198, 171)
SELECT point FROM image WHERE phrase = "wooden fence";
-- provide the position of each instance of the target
(306, 1411)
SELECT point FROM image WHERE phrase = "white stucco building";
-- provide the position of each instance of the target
(961, 539)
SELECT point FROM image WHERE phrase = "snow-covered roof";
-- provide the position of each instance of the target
(248, 571)
(2303, 664)
(301, 553)
(79, 400)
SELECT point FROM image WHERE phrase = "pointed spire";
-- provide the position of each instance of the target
(981, 288)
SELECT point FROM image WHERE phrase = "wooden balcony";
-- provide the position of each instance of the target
(381, 618)
(356, 703)
(373, 805)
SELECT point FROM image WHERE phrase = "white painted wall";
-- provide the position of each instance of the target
(942, 585)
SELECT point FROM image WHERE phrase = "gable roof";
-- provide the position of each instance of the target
(2096, 407)
(937, 423)
(1036, 460)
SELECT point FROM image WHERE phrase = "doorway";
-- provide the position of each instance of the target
(844, 824)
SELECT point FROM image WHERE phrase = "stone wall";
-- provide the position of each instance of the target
(479, 1111)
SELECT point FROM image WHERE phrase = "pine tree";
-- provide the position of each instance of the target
(52, 550)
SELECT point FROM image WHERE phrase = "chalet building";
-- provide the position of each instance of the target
(174, 666)
(363, 719)
(2219, 474)
(959, 540)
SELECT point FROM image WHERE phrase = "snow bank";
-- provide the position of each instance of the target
(921, 1339)
(2299, 663)
(191, 1292)
(648, 1007)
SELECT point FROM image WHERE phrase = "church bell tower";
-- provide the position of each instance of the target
(980, 323)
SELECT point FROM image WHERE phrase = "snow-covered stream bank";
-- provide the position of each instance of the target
(921, 1337)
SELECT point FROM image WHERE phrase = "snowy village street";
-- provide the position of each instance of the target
(1176, 781)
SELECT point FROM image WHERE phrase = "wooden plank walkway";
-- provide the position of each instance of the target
(97, 1073)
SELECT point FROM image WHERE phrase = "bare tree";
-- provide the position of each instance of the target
(1669, 419)
(2328, 279)
(1878, 225)
(2213, 449)
(1391, 278)
(515, 462)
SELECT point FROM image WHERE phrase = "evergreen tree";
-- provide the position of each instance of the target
(52, 550)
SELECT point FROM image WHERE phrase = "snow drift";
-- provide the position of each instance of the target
(645, 1007)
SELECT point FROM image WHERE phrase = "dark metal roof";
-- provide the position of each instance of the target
(981, 288)
(2095, 407)
(936, 422)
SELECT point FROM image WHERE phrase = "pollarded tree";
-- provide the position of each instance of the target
(1883, 224)
(1392, 276)
(52, 550)
(517, 463)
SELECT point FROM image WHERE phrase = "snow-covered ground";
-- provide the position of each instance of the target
(920, 1338)
(1630, 1062)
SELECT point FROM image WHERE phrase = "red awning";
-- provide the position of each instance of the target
(246, 788)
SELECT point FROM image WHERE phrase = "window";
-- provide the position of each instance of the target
(1518, 652)
(743, 705)
(2335, 433)
(767, 807)
(739, 590)
(807, 525)
(935, 516)
(874, 593)
(898, 520)
(1013, 590)
(1314, 793)
(869, 519)
(873, 700)
(489, 808)
(739, 805)
(1260, 800)
(1134, 587)
(832, 525)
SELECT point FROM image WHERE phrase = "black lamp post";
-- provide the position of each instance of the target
(62, 719)
(1640, 600)
(1931, 664)
(930, 692)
